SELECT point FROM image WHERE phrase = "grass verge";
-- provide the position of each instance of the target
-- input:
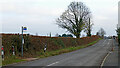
(13, 59)
(10, 60)
(65, 50)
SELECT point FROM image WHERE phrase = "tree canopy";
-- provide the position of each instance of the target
(74, 18)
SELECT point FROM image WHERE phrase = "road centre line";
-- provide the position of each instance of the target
(52, 63)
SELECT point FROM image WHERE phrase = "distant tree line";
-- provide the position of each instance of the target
(64, 35)
(101, 32)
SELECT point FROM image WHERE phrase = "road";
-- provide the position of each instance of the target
(112, 59)
(90, 56)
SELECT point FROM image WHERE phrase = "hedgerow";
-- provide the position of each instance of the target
(34, 45)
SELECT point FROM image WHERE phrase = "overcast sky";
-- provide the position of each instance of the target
(39, 15)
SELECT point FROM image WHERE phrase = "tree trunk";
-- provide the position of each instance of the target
(78, 36)
(89, 29)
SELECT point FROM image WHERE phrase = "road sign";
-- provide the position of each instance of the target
(25, 28)
(23, 41)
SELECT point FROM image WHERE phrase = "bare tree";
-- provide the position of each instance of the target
(102, 32)
(57, 35)
(88, 27)
(36, 34)
(74, 18)
(97, 33)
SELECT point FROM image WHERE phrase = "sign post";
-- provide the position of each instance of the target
(2, 53)
(23, 28)
(13, 49)
(45, 48)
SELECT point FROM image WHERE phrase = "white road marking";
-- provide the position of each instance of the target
(104, 60)
(110, 52)
(104, 42)
(110, 39)
(108, 43)
(52, 64)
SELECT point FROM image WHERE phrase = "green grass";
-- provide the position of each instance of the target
(10, 60)
(13, 59)
(65, 50)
